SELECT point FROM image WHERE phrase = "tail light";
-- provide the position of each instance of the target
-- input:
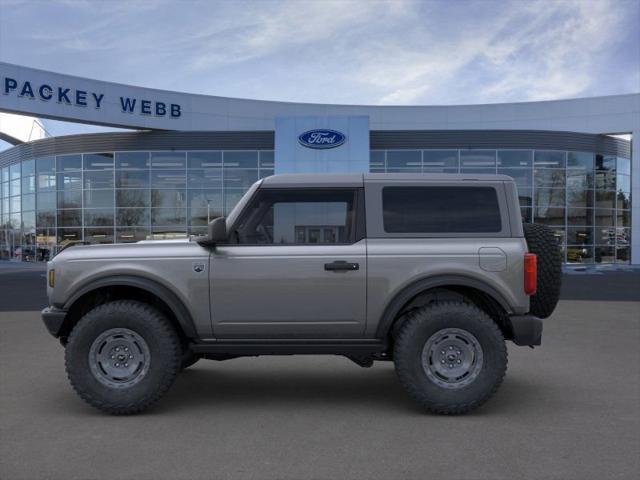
(530, 273)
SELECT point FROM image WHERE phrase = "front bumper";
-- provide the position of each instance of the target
(527, 330)
(53, 319)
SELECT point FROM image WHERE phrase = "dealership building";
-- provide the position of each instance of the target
(189, 158)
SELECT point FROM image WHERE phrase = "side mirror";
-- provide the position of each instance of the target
(218, 230)
(217, 233)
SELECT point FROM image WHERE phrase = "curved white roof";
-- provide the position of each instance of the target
(65, 97)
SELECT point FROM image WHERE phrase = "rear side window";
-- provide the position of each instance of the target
(441, 210)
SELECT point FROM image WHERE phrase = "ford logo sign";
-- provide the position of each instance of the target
(322, 138)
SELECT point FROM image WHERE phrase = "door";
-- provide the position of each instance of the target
(294, 267)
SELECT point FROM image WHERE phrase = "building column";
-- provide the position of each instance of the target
(635, 197)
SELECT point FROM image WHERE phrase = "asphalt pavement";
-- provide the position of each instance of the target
(567, 410)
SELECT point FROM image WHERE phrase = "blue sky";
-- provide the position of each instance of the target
(362, 52)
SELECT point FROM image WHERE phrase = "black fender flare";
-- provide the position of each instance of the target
(177, 307)
(400, 299)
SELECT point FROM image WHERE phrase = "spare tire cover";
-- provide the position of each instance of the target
(542, 242)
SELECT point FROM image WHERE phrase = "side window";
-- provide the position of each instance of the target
(302, 217)
(441, 210)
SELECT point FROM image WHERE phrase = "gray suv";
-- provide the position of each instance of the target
(431, 272)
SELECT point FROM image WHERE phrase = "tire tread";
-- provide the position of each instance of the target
(163, 327)
(403, 367)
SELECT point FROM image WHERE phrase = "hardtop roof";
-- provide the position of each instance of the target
(358, 179)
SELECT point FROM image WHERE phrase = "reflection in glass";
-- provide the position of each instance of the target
(404, 159)
(168, 179)
(623, 218)
(132, 179)
(583, 160)
(605, 199)
(515, 158)
(98, 199)
(547, 197)
(267, 159)
(605, 218)
(623, 183)
(204, 159)
(549, 215)
(168, 198)
(549, 159)
(98, 179)
(28, 168)
(240, 159)
(45, 165)
(520, 175)
(46, 181)
(97, 161)
(46, 218)
(129, 235)
(477, 158)
(138, 160)
(98, 235)
(205, 178)
(376, 159)
(70, 199)
(580, 216)
(240, 178)
(168, 160)
(98, 217)
(549, 178)
(28, 184)
(29, 202)
(69, 162)
(69, 235)
(132, 198)
(578, 197)
(623, 166)
(133, 216)
(169, 217)
(69, 180)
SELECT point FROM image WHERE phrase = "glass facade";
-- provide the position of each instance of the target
(584, 197)
(106, 197)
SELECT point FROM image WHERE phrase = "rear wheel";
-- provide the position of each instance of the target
(450, 356)
(541, 241)
(122, 357)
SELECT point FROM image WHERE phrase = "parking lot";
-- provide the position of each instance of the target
(567, 410)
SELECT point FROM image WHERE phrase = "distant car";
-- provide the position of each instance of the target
(431, 272)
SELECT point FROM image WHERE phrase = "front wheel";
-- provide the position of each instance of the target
(450, 356)
(123, 356)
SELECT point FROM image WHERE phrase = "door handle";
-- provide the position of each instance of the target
(341, 266)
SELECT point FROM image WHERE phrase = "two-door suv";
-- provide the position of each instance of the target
(431, 272)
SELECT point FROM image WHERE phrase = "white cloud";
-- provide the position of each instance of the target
(386, 52)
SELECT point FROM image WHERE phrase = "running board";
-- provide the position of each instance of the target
(244, 347)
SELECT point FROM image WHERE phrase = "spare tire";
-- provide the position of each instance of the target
(542, 242)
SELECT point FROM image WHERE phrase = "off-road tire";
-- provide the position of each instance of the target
(415, 332)
(541, 241)
(164, 348)
(188, 358)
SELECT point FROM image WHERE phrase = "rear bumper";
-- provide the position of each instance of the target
(53, 319)
(527, 330)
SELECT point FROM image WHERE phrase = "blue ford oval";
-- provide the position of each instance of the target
(322, 138)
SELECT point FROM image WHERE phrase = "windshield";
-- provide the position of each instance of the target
(233, 214)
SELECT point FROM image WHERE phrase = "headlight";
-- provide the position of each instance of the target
(52, 278)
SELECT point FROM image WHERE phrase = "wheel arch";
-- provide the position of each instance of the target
(135, 288)
(483, 295)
